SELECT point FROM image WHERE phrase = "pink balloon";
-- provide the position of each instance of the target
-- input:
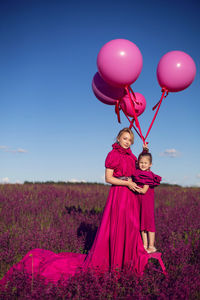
(104, 92)
(119, 62)
(176, 71)
(139, 104)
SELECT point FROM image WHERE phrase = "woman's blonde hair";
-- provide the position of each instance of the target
(126, 130)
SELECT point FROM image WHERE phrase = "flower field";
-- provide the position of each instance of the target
(65, 217)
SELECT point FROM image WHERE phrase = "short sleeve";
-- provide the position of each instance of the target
(112, 160)
(156, 179)
(148, 178)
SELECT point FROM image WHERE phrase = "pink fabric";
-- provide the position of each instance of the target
(47, 264)
(147, 177)
(117, 243)
(157, 255)
(147, 218)
(121, 160)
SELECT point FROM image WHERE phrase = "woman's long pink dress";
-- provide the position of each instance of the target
(117, 243)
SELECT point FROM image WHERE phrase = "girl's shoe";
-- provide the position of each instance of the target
(145, 248)
(151, 249)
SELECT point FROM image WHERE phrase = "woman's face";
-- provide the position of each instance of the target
(125, 140)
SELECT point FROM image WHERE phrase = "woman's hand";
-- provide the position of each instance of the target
(133, 186)
(112, 180)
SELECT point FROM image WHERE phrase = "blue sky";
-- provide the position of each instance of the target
(51, 125)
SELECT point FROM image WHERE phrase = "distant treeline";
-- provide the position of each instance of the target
(82, 182)
(92, 183)
(63, 182)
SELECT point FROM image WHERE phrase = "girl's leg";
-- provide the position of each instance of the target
(145, 239)
(151, 236)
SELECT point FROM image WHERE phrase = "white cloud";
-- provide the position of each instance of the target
(5, 180)
(18, 181)
(7, 149)
(198, 175)
(20, 150)
(73, 180)
(170, 153)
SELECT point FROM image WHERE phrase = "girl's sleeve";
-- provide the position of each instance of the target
(157, 179)
(112, 160)
(148, 178)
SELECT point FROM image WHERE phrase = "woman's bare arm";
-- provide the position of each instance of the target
(113, 180)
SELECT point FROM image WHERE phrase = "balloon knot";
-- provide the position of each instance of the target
(165, 91)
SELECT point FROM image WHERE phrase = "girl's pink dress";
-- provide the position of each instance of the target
(117, 243)
(147, 218)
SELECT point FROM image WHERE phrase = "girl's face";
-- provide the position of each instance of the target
(144, 163)
(125, 140)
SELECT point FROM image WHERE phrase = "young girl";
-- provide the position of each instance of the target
(144, 177)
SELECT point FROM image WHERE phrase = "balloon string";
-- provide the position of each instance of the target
(132, 125)
(136, 131)
(158, 107)
(117, 110)
(159, 100)
(132, 92)
(127, 117)
(133, 109)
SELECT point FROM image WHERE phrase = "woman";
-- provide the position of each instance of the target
(118, 242)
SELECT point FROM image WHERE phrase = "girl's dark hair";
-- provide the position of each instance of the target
(145, 153)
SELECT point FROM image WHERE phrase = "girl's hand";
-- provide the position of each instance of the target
(145, 147)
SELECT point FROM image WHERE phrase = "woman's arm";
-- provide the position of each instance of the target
(144, 189)
(113, 180)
